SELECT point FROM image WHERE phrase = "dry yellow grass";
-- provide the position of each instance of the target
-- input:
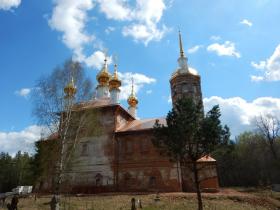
(225, 200)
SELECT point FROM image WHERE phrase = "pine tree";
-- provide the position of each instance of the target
(189, 135)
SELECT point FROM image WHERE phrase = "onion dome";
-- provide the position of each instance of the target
(70, 89)
(103, 76)
(114, 82)
(132, 99)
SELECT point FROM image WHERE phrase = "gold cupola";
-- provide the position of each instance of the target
(132, 99)
(115, 82)
(103, 76)
(70, 89)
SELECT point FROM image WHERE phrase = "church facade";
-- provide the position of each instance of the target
(122, 157)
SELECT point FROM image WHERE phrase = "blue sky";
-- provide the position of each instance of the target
(234, 45)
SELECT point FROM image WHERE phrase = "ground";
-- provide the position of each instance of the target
(226, 199)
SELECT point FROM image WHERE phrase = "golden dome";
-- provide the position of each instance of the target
(114, 82)
(103, 76)
(70, 89)
(132, 99)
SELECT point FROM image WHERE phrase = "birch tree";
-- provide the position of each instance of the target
(58, 100)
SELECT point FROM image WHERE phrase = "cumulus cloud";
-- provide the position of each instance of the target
(194, 49)
(139, 81)
(12, 142)
(144, 33)
(96, 59)
(146, 17)
(246, 22)
(70, 17)
(226, 49)
(9, 4)
(239, 114)
(24, 92)
(115, 9)
(142, 20)
(270, 68)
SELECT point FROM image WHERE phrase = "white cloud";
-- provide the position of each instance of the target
(246, 22)
(142, 19)
(270, 68)
(226, 49)
(109, 29)
(260, 65)
(146, 17)
(193, 70)
(194, 49)
(169, 99)
(240, 114)
(149, 92)
(9, 4)
(12, 142)
(115, 9)
(144, 33)
(96, 60)
(24, 92)
(71, 18)
(257, 78)
(215, 38)
(139, 81)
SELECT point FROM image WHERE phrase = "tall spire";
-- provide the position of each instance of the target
(182, 54)
(182, 60)
(132, 86)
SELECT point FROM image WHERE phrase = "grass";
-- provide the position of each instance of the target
(236, 199)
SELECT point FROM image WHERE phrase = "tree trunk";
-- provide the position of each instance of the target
(198, 193)
(179, 176)
(272, 148)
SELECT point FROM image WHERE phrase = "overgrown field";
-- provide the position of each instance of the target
(227, 199)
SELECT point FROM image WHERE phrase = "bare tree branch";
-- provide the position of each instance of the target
(268, 127)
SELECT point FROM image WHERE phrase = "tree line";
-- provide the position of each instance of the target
(248, 161)
(15, 171)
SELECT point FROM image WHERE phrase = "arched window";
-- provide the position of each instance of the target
(84, 150)
(127, 179)
(152, 181)
(185, 88)
(129, 147)
(144, 145)
(98, 180)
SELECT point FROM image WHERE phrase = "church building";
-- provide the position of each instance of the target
(122, 157)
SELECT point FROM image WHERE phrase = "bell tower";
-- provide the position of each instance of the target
(183, 82)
